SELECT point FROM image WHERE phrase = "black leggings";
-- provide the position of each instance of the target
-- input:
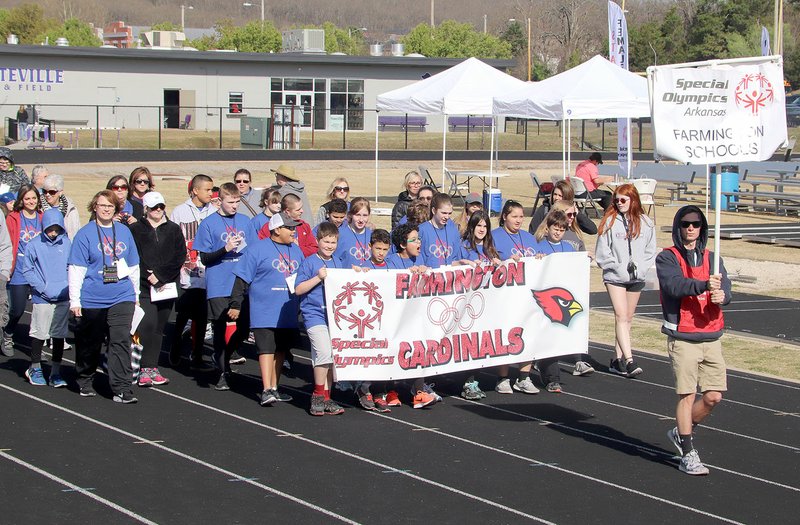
(151, 329)
(191, 304)
(17, 301)
(38, 344)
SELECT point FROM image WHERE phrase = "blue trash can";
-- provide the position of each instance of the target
(730, 183)
(493, 202)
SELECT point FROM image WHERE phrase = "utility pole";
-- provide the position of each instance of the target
(432, 21)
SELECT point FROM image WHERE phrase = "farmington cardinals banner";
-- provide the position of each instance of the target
(718, 111)
(391, 324)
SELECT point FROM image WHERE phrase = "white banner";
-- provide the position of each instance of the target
(720, 111)
(391, 324)
(618, 54)
(765, 51)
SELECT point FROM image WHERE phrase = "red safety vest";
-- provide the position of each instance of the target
(698, 313)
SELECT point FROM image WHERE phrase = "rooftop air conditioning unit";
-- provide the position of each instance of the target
(12, 39)
(376, 50)
(398, 50)
(304, 41)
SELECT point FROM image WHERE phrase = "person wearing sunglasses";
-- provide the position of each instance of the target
(561, 190)
(53, 197)
(692, 292)
(251, 198)
(140, 182)
(412, 183)
(162, 252)
(129, 210)
(339, 189)
(626, 249)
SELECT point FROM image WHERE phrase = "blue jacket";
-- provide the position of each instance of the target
(45, 265)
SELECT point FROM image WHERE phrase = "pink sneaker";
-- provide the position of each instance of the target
(156, 378)
(144, 378)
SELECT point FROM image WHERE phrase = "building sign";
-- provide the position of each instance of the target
(30, 79)
(721, 111)
(391, 324)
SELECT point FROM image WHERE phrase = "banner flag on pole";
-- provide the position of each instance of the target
(618, 54)
(765, 51)
(393, 324)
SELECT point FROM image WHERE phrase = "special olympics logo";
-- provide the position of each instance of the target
(360, 252)
(440, 250)
(753, 92)
(359, 306)
(227, 234)
(527, 252)
(28, 234)
(105, 247)
(285, 265)
(461, 314)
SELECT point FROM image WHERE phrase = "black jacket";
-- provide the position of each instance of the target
(399, 210)
(586, 224)
(162, 250)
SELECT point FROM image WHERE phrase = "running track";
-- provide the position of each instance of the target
(595, 454)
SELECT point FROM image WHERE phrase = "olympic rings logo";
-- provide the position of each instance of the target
(285, 265)
(228, 234)
(440, 250)
(527, 252)
(28, 234)
(360, 252)
(106, 249)
(462, 314)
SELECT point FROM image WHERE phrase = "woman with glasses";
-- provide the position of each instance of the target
(412, 183)
(24, 225)
(339, 189)
(562, 190)
(129, 210)
(103, 290)
(53, 197)
(139, 183)
(626, 249)
(162, 252)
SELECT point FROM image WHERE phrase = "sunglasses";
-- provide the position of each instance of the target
(51, 192)
(142, 181)
(414, 239)
(242, 181)
(621, 200)
(159, 207)
(119, 187)
(694, 224)
(571, 214)
(341, 188)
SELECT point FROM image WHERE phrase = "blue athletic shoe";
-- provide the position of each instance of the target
(35, 377)
(56, 381)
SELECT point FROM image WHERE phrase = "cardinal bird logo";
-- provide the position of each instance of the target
(558, 304)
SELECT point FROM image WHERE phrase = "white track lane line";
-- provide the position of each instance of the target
(77, 489)
(163, 448)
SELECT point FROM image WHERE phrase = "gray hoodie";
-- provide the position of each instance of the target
(15, 177)
(299, 189)
(612, 255)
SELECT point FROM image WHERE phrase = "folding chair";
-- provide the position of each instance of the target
(455, 189)
(586, 200)
(647, 190)
(427, 180)
(543, 191)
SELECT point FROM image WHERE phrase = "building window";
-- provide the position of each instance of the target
(235, 101)
(345, 96)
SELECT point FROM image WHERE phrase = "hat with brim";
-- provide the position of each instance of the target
(5, 198)
(281, 219)
(286, 171)
(152, 199)
(473, 198)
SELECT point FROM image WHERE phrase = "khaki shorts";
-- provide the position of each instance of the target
(697, 363)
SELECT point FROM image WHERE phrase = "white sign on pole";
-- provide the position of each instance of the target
(390, 324)
(765, 51)
(618, 54)
(718, 111)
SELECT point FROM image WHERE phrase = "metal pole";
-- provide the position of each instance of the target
(529, 49)
(97, 131)
(262, 13)
(344, 128)
(526, 134)
(220, 128)
(603, 139)
(583, 133)
(467, 132)
(640, 140)
(406, 128)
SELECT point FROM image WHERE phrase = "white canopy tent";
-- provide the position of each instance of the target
(467, 88)
(596, 89)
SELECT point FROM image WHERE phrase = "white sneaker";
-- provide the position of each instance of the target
(503, 386)
(526, 386)
(582, 368)
(691, 464)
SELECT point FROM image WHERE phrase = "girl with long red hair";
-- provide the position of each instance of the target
(626, 249)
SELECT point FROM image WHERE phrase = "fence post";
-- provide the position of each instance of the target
(220, 128)
(160, 121)
(406, 129)
(603, 133)
(97, 127)
(467, 132)
(344, 128)
(640, 135)
(583, 133)
(526, 134)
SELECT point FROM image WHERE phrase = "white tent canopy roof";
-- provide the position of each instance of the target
(595, 89)
(464, 89)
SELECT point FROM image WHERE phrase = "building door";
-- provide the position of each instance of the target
(172, 110)
(304, 100)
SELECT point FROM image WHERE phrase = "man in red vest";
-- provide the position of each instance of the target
(691, 295)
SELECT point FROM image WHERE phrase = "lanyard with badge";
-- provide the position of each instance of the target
(110, 273)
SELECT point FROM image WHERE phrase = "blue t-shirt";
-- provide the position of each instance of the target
(265, 266)
(353, 248)
(94, 251)
(474, 255)
(212, 234)
(312, 303)
(507, 244)
(29, 229)
(395, 262)
(256, 223)
(127, 208)
(546, 247)
(440, 246)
